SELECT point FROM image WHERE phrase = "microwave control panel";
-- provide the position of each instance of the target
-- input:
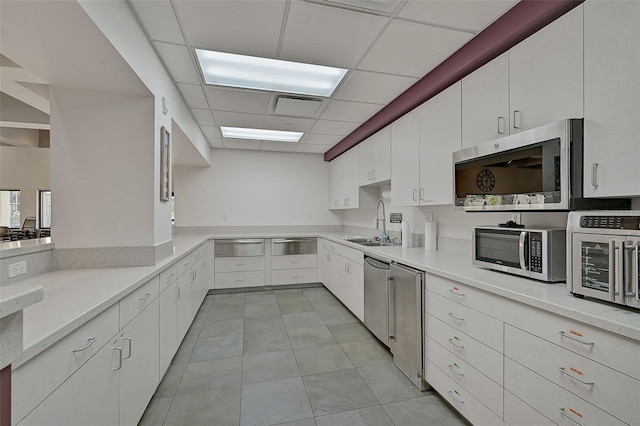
(535, 251)
(610, 222)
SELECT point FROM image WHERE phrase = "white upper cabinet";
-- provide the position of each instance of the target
(485, 103)
(344, 183)
(611, 93)
(375, 158)
(440, 136)
(422, 143)
(546, 74)
(405, 159)
(537, 82)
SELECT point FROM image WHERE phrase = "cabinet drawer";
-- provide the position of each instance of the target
(33, 381)
(349, 253)
(134, 303)
(482, 327)
(297, 261)
(460, 399)
(466, 295)
(239, 279)
(518, 413)
(239, 264)
(603, 387)
(483, 388)
(488, 361)
(184, 264)
(556, 403)
(168, 276)
(293, 276)
(604, 347)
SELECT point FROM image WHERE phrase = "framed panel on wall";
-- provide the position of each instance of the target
(165, 164)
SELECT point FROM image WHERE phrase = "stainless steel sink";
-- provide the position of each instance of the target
(370, 243)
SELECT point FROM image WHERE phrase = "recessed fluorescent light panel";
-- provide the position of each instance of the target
(252, 72)
(260, 134)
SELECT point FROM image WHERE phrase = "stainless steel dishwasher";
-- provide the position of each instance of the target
(405, 322)
(376, 297)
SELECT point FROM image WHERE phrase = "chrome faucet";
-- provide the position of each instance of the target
(384, 237)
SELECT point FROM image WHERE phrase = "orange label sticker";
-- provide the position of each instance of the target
(575, 370)
(575, 412)
(576, 332)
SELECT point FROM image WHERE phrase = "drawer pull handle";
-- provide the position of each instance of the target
(453, 394)
(146, 296)
(90, 342)
(295, 277)
(127, 339)
(295, 261)
(239, 264)
(568, 336)
(119, 359)
(240, 281)
(455, 317)
(455, 293)
(564, 371)
(461, 375)
(564, 413)
(170, 277)
(455, 345)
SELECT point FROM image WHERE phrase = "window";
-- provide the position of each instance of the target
(10, 208)
(44, 211)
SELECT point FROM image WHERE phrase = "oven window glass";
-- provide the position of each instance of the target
(594, 263)
(501, 247)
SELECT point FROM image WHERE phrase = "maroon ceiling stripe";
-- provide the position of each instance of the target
(518, 23)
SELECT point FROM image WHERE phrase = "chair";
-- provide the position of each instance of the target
(29, 227)
(5, 233)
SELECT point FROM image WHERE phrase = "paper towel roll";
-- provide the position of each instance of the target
(430, 236)
(406, 235)
(386, 194)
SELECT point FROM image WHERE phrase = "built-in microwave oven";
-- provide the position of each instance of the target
(537, 253)
(539, 169)
(603, 259)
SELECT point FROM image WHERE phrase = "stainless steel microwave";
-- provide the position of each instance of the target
(539, 169)
(536, 253)
(603, 260)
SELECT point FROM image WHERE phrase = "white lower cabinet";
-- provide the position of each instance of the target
(556, 403)
(114, 386)
(169, 343)
(139, 373)
(350, 285)
(459, 398)
(89, 397)
(519, 413)
(184, 304)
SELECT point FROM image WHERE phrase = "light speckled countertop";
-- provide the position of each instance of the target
(72, 297)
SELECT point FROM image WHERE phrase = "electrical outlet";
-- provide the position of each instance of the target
(515, 217)
(428, 217)
(17, 269)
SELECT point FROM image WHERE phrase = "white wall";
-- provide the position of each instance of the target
(103, 174)
(26, 169)
(254, 188)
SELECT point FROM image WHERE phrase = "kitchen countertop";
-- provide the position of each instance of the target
(73, 297)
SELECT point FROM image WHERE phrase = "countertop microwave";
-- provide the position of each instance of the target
(535, 170)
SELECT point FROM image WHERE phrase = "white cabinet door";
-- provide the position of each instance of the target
(184, 304)
(405, 159)
(440, 136)
(351, 286)
(365, 161)
(335, 184)
(88, 397)
(611, 93)
(139, 375)
(168, 326)
(351, 188)
(485, 103)
(546, 74)
(381, 155)
(323, 262)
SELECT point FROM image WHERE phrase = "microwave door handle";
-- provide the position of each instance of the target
(615, 267)
(631, 283)
(521, 242)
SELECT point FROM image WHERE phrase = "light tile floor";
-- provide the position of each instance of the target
(292, 357)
